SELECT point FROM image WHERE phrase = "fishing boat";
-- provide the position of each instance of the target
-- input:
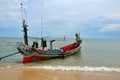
(35, 53)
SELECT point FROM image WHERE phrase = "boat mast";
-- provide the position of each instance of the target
(24, 24)
(25, 33)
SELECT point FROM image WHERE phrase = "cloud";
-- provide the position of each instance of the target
(65, 16)
(62, 16)
(78, 11)
(110, 28)
(84, 8)
(10, 12)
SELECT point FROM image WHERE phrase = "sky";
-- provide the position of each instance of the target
(90, 18)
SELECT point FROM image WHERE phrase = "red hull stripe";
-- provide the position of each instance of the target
(32, 58)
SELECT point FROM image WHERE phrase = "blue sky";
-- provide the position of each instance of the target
(92, 18)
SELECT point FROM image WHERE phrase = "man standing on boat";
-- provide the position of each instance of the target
(43, 43)
(77, 37)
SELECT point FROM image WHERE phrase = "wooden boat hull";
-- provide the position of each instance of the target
(27, 59)
(30, 55)
(33, 58)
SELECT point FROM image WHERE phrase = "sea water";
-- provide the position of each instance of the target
(95, 55)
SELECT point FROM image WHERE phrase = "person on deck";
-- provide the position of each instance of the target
(35, 45)
(77, 37)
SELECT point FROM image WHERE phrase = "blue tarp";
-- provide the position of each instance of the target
(55, 50)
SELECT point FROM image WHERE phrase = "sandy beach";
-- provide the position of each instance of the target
(43, 74)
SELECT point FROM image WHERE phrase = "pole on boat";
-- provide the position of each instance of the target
(25, 32)
(51, 43)
(24, 18)
(9, 55)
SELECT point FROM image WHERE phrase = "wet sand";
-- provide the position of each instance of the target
(42, 74)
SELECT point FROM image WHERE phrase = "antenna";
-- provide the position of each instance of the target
(41, 18)
(23, 12)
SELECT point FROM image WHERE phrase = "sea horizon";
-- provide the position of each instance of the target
(59, 37)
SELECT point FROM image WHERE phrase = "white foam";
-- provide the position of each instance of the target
(76, 68)
(69, 68)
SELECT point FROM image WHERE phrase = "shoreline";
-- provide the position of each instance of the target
(14, 73)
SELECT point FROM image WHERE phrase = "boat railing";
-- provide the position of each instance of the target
(21, 45)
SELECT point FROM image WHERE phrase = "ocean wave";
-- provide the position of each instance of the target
(76, 68)
(69, 68)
